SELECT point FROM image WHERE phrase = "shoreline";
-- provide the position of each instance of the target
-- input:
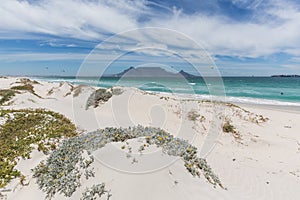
(294, 108)
(228, 99)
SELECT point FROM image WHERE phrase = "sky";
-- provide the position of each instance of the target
(237, 37)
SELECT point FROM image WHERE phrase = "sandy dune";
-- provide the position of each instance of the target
(261, 160)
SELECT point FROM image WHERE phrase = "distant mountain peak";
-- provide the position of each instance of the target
(151, 72)
(286, 75)
(185, 74)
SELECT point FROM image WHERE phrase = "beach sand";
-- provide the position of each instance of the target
(261, 160)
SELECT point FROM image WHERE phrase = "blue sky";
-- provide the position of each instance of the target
(53, 37)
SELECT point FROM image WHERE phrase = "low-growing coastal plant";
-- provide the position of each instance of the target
(116, 91)
(164, 98)
(193, 115)
(23, 180)
(28, 81)
(169, 144)
(228, 127)
(64, 168)
(26, 87)
(62, 171)
(25, 128)
(6, 95)
(94, 191)
(99, 96)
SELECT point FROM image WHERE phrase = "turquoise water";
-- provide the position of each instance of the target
(257, 90)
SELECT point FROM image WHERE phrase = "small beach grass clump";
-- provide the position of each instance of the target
(63, 169)
(193, 115)
(228, 127)
(22, 130)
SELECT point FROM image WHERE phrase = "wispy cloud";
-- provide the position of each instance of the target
(276, 31)
(15, 57)
(70, 18)
(279, 32)
(270, 27)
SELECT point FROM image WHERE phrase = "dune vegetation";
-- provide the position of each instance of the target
(26, 85)
(65, 167)
(23, 130)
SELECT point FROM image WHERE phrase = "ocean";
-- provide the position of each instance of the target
(252, 90)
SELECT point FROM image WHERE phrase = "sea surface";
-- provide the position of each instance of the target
(252, 90)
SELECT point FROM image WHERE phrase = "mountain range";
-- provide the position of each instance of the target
(150, 72)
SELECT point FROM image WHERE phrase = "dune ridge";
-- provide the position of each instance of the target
(255, 154)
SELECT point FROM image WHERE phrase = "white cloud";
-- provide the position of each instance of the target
(227, 37)
(247, 4)
(278, 29)
(158, 42)
(58, 44)
(14, 57)
(79, 19)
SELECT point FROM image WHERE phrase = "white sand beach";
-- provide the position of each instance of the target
(259, 160)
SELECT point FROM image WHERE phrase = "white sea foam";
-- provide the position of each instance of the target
(249, 100)
(244, 100)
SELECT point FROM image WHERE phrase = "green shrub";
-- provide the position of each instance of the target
(228, 128)
(6, 95)
(24, 128)
(26, 87)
